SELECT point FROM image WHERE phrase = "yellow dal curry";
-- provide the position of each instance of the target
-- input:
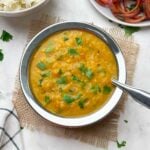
(70, 73)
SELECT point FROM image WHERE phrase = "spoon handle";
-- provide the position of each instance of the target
(140, 96)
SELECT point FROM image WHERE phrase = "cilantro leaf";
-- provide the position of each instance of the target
(1, 55)
(89, 73)
(66, 38)
(45, 74)
(40, 82)
(95, 89)
(62, 80)
(50, 47)
(68, 99)
(47, 99)
(75, 78)
(60, 72)
(41, 65)
(126, 121)
(82, 83)
(72, 51)
(82, 102)
(121, 144)
(6, 36)
(82, 68)
(86, 71)
(79, 41)
(78, 96)
(130, 30)
(106, 89)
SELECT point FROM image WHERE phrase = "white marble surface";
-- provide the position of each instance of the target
(136, 132)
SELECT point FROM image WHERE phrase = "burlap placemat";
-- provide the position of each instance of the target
(98, 134)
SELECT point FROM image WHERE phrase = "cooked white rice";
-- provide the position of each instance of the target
(11, 5)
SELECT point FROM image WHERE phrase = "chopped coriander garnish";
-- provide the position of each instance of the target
(130, 30)
(79, 41)
(72, 51)
(45, 73)
(68, 99)
(1, 55)
(47, 99)
(81, 103)
(82, 68)
(88, 72)
(49, 48)
(121, 144)
(75, 78)
(66, 38)
(6, 36)
(95, 89)
(106, 89)
(62, 80)
(40, 82)
(126, 121)
(60, 72)
(41, 65)
(78, 96)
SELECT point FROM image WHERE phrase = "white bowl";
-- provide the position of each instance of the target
(78, 121)
(23, 12)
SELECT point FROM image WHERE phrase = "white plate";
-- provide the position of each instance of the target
(107, 13)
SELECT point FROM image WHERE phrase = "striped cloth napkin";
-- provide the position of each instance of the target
(10, 129)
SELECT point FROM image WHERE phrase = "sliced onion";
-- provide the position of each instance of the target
(135, 20)
(147, 8)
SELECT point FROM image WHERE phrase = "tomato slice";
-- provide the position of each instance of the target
(121, 10)
(103, 2)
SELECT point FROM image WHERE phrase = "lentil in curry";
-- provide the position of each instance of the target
(70, 73)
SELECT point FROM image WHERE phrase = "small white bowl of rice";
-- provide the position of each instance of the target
(15, 8)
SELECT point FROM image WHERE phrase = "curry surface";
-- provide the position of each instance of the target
(70, 73)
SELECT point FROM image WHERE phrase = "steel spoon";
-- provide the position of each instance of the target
(140, 96)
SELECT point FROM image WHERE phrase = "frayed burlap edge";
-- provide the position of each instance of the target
(98, 134)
